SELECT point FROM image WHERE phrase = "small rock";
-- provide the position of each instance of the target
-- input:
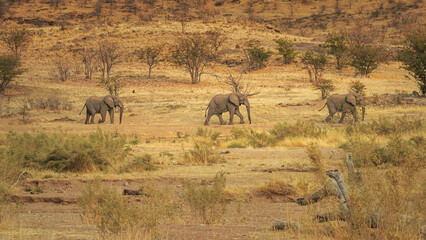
(126, 184)
(224, 152)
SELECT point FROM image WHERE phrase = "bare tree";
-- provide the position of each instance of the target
(183, 12)
(16, 40)
(238, 85)
(108, 55)
(150, 55)
(63, 66)
(88, 57)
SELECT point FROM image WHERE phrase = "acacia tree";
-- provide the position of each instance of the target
(9, 69)
(16, 40)
(413, 56)
(195, 52)
(336, 46)
(150, 55)
(315, 61)
(364, 52)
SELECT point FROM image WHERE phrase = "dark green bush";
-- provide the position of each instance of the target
(61, 152)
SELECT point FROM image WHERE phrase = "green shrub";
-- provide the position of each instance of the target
(9, 69)
(205, 144)
(285, 130)
(207, 203)
(357, 86)
(326, 86)
(250, 137)
(236, 144)
(256, 57)
(61, 152)
(286, 49)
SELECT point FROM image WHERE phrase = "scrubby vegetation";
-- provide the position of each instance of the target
(62, 152)
(205, 143)
(208, 203)
(116, 218)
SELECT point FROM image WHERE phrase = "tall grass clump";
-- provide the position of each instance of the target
(9, 174)
(384, 126)
(61, 152)
(285, 130)
(140, 163)
(205, 144)
(208, 203)
(249, 137)
(390, 201)
(117, 218)
(396, 151)
(276, 187)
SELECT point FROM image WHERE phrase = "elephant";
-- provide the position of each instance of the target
(102, 105)
(344, 103)
(227, 103)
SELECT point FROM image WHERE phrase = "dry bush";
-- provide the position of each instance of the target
(208, 203)
(60, 152)
(249, 137)
(140, 163)
(285, 130)
(384, 126)
(88, 58)
(50, 101)
(397, 151)
(239, 85)
(63, 66)
(276, 187)
(24, 113)
(116, 218)
(389, 200)
(205, 144)
(315, 156)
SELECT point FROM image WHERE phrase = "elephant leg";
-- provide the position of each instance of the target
(222, 122)
(231, 116)
(111, 115)
(343, 116)
(87, 117)
(331, 111)
(354, 113)
(239, 115)
(91, 111)
(209, 115)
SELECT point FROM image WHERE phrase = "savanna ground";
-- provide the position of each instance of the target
(163, 115)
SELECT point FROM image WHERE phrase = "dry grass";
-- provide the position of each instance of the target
(167, 106)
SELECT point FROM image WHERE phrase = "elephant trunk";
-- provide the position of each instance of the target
(121, 112)
(363, 112)
(248, 113)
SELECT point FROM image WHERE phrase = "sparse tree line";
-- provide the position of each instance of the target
(195, 52)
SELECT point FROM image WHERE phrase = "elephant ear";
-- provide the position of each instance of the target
(109, 101)
(350, 98)
(233, 98)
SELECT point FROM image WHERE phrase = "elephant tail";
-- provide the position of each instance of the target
(323, 106)
(82, 109)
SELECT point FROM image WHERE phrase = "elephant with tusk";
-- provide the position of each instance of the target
(102, 105)
(344, 103)
(227, 103)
